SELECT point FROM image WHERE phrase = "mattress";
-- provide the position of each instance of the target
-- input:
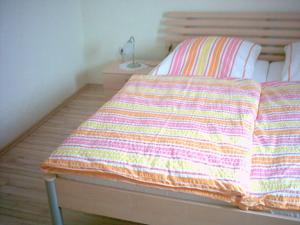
(161, 192)
(275, 70)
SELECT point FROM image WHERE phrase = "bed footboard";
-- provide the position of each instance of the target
(146, 208)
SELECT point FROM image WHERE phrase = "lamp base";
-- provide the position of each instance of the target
(134, 65)
(130, 66)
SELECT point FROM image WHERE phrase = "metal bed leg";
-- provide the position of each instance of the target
(55, 210)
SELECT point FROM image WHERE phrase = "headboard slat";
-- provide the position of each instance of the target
(271, 57)
(235, 15)
(259, 40)
(272, 30)
(234, 32)
(231, 23)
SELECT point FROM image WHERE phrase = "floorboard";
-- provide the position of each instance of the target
(22, 192)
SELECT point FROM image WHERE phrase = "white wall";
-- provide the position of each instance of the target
(41, 60)
(109, 23)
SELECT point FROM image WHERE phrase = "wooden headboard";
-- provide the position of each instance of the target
(272, 30)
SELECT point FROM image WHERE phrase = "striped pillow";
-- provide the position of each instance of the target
(219, 57)
(291, 68)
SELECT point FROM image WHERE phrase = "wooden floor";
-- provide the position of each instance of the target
(22, 192)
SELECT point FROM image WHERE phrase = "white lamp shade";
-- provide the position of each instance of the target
(128, 49)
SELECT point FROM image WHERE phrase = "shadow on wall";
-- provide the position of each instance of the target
(81, 79)
(94, 73)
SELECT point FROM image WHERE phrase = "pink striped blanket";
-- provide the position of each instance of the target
(195, 135)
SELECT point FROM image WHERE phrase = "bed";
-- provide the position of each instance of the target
(156, 205)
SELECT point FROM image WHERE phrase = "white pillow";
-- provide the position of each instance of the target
(261, 71)
(275, 71)
(291, 68)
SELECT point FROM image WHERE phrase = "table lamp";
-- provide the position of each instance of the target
(129, 49)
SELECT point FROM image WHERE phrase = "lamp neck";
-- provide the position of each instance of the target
(133, 53)
(132, 40)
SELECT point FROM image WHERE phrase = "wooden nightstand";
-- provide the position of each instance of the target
(114, 78)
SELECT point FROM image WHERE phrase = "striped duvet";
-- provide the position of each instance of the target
(275, 170)
(185, 133)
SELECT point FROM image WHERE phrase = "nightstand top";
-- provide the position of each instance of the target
(114, 67)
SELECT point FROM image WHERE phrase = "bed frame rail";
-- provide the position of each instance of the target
(147, 208)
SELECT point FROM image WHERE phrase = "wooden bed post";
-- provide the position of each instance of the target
(55, 210)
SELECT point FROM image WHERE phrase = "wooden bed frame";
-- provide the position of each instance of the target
(273, 31)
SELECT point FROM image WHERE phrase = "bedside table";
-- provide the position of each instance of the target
(114, 78)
